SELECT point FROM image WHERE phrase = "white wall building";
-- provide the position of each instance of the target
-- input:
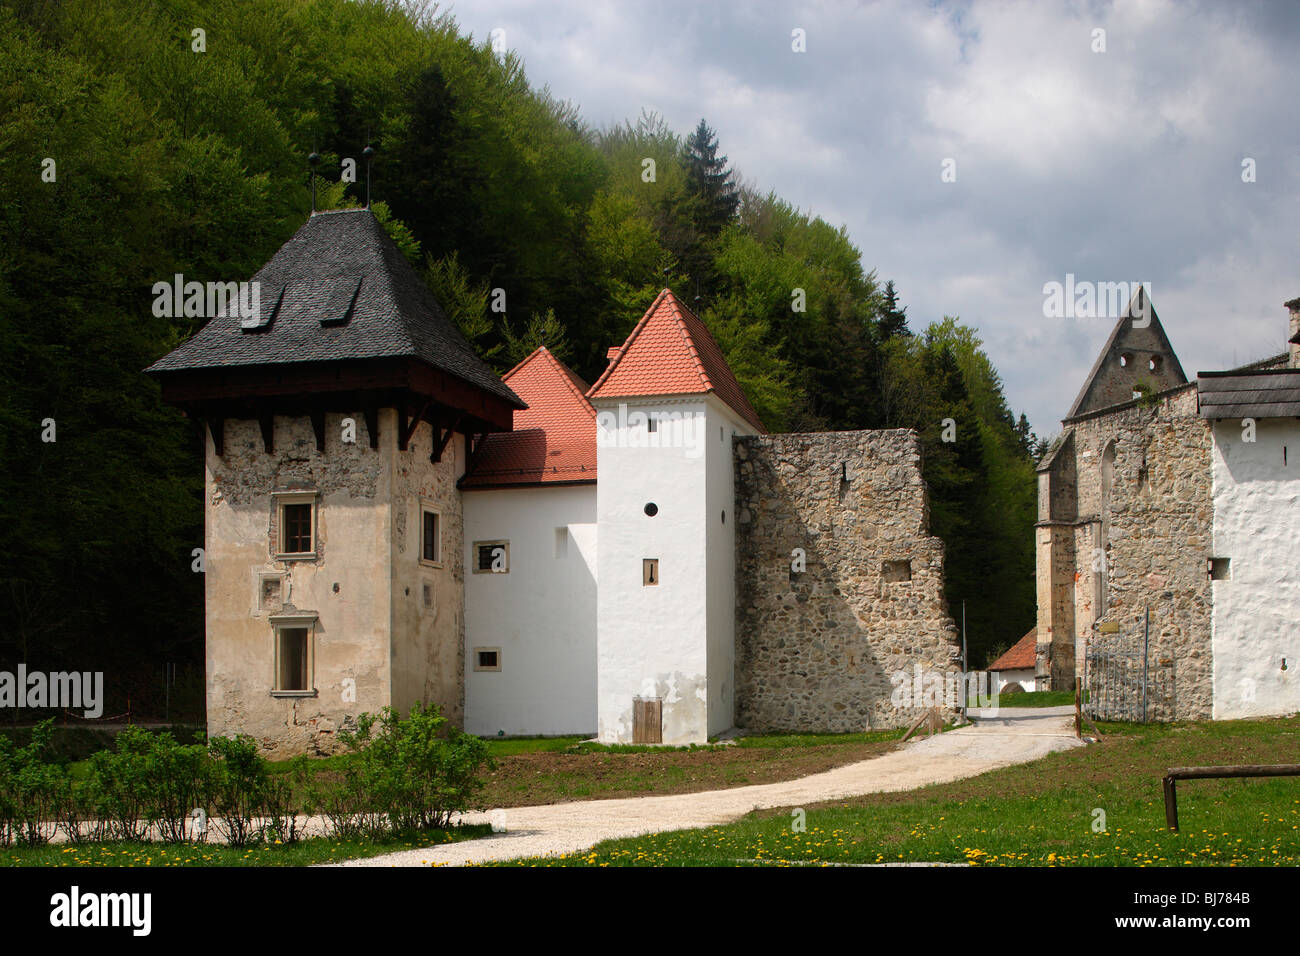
(1253, 570)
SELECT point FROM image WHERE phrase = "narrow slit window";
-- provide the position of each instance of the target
(431, 545)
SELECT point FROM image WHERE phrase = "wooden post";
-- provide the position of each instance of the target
(1171, 802)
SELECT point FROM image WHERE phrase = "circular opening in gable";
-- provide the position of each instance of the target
(1125, 360)
(1154, 364)
(651, 509)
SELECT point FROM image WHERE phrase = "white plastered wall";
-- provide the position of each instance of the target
(541, 613)
(1256, 616)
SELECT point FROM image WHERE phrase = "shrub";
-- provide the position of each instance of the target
(238, 788)
(181, 777)
(120, 786)
(279, 804)
(30, 788)
(416, 772)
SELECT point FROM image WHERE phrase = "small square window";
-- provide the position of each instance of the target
(487, 658)
(1220, 569)
(296, 525)
(896, 571)
(297, 529)
(430, 536)
(491, 557)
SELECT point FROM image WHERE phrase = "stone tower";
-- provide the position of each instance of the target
(338, 420)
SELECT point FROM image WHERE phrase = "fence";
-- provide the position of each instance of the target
(1126, 681)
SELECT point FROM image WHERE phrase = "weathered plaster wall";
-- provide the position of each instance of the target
(541, 613)
(428, 657)
(825, 650)
(346, 583)
(1256, 609)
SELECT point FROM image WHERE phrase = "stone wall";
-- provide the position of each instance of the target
(827, 648)
(1141, 547)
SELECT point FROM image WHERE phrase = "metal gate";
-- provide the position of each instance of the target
(1126, 680)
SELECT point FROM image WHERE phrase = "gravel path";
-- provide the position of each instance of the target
(996, 739)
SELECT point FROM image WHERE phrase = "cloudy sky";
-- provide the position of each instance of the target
(1117, 165)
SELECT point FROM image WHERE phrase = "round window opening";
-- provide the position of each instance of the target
(651, 509)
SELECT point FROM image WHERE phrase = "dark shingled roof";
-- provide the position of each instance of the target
(1266, 393)
(339, 290)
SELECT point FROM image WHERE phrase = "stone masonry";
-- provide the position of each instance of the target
(1128, 531)
(837, 646)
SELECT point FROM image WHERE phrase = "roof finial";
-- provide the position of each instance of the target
(313, 160)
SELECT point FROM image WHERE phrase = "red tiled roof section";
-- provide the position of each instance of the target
(554, 438)
(670, 352)
(1020, 656)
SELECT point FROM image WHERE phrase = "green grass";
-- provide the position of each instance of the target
(303, 853)
(1038, 814)
(1038, 698)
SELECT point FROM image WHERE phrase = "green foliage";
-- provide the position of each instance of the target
(239, 788)
(174, 161)
(30, 789)
(416, 772)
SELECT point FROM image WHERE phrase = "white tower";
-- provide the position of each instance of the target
(667, 410)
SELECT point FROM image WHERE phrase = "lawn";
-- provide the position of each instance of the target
(532, 772)
(302, 853)
(1038, 698)
(1094, 806)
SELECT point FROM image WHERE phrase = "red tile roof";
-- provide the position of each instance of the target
(554, 438)
(670, 352)
(1020, 656)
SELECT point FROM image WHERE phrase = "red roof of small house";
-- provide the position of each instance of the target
(1020, 656)
(554, 438)
(670, 352)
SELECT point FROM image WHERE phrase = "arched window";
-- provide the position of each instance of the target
(1102, 576)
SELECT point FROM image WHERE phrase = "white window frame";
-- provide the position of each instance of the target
(282, 498)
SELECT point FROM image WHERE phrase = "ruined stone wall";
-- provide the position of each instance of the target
(824, 650)
(1155, 534)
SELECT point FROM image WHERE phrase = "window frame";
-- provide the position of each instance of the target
(487, 650)
(294, 622)
(283, 499)
(429, 508)
(478, 545)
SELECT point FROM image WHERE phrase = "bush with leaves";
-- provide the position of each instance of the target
(119, 789)
(238, 789)
(416, 772)
(30, 788)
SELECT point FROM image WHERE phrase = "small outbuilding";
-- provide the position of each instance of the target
(1016, 666)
